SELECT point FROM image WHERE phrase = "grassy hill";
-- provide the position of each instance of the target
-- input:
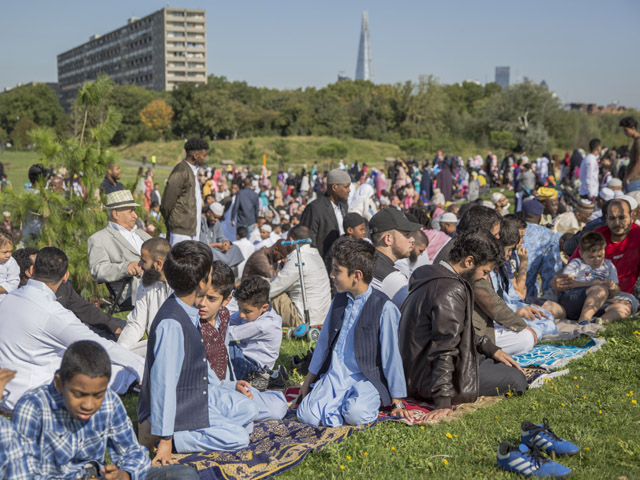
(304, 150)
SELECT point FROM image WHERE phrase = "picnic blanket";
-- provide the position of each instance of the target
(557, 356)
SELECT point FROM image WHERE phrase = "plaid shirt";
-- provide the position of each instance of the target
(13, 464)
(61, 446)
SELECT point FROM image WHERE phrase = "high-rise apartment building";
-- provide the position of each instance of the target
(156, 52)
(502, 76)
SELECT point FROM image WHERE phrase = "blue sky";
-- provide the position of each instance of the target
(587, 50)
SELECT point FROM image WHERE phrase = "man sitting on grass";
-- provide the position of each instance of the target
(445, 362)
(67, 425)
(594, 280)
(183, 404)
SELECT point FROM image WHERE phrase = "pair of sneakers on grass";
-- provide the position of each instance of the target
(527, 458)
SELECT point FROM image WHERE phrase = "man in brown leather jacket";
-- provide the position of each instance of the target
(445, 362)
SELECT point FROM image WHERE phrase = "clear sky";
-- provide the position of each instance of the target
(586, 50)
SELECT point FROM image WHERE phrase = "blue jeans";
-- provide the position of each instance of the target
(242, 366)
(633, 186)
(173, 472)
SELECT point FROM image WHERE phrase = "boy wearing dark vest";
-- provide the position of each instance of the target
(183, 405)
(356, 365)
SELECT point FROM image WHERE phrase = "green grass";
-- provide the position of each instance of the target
(591, 406)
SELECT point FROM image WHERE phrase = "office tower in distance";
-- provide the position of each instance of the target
(502, 76)
(364, 67)
(157, 52)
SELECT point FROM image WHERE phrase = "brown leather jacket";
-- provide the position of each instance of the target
(437, 341)
(178, 205)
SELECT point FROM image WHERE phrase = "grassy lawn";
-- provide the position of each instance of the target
(593, 406)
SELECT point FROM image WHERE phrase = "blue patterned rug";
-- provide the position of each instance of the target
(557, 356)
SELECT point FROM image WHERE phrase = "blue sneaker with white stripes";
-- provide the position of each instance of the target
(529, 462)
(543, 437)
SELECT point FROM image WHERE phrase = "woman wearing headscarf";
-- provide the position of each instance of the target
(362, 201)
(444, 180)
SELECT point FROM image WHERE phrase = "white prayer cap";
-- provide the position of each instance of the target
(632, 201)
(606, 194)
(217, 209)
(614, 183)
(496, 197)
(448, 218)
(266, 228)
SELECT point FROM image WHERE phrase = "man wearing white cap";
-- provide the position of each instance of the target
(323, 217)
(500, 202)
(114, 251)
(268, 237)
(615, 184)
(211, 233)
(448, 223)
(572, 222)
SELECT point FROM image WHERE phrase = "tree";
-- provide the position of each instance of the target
(249, 151)
(415, 146)
(501, 139)
(157, 116)
(129, 100)
(20, 134)
(37, 102)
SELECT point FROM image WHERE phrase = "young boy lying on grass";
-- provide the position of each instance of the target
(356, 365)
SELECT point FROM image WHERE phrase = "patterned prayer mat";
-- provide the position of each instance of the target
(557, 356)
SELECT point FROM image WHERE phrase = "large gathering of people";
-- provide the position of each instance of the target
(423, 279)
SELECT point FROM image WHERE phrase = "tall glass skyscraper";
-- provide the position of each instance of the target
(364, 67)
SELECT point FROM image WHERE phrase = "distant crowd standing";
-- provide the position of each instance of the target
(421, 290)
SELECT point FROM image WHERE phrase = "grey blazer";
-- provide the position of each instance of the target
(109, 255)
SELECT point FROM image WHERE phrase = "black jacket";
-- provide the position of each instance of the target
(86, 312)
(437, 341)
(320, 219)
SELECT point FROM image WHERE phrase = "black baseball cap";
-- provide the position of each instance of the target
(391, 218)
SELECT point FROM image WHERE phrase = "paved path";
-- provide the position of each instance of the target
(139, 164)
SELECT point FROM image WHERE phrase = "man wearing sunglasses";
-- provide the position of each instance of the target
(391, 235)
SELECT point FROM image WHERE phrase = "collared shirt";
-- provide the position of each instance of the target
(194, 169)
(129, 235)
(344, 367)
(60, 445)
(13, 457)
(589, 184)
(9, 276)
(148, 302)
(389, 280)
(316, 282)
(339, 218)
(260, 340)
(36, 330)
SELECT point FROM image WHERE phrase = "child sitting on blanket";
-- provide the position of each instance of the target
(214, 318)
(254, 334)
(356, 365)
(183, 404)
(594, 283)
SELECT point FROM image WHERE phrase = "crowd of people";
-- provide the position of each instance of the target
(421, 289)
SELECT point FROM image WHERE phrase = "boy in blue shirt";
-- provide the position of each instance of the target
(356, 365)
(68, 424)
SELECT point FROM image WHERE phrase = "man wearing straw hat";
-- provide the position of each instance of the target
(114, 251)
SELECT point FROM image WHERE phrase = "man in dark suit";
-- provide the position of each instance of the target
(323, 217)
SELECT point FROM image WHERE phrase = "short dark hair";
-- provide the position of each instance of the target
(478, 216)
(355, 254)
(619, 202)
(254, 290)
(512, 217)
(299, 232)
(629, 122)
(509, 232)
(594, 143)
(154, 204)
(85, 357)
(592, 242)
(479, 244)
(242, 232)
(36, 172)
(420, 238)
(222, 278)
(187, 264)
(419, 215)
(51, 265)
(158, 247)
(5, 236)
(195, 145)
(22, 256)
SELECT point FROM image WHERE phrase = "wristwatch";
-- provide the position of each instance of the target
(399, 405)
(170, 437)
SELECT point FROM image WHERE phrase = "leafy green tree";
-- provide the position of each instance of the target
(20, 134)
(249, 151)
(415, 146)
(37, 102)
(501, 139)
(157, 116)
(129, 100)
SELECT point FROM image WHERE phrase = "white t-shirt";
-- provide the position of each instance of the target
(584, 273)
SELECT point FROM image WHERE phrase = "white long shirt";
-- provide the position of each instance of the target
(589, 184)
(247, 248)
(9, 276)
(35, 331)
(316, 282)
(148, 302)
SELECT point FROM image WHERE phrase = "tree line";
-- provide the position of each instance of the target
(421, 117)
